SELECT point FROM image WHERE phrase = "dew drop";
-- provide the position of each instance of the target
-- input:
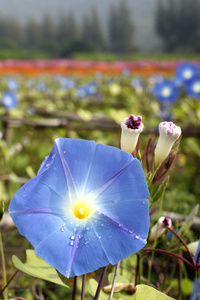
(86, 242)
(64, 151)
(102, 225)
(143, 202)
(80, 236)
(62, 228)
(47, 165)
(87, 228)
(120, 225)
(99, 237)
(71, 243)
(53, 156)
(137, 237)
(75, 229)
(130, 231)
(72, 237)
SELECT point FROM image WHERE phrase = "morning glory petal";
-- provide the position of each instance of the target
(86, 208)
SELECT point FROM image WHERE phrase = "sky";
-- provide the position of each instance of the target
(142, 11)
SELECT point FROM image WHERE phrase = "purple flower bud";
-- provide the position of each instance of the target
(159, 228)
(131, 129)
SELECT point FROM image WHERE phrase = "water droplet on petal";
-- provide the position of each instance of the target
(72, 237)
(75, 229)
(87, 228)
(62, 228)
(102, 224)
(80, 236)
(86, 242)
(130, 231)
(71, 243)
(137, 237)
(99, 237)
(47, 165)
(143, 202)
(120, 225)
(64, 151)
(53, 156)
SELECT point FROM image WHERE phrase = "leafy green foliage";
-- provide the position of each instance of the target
(37, 267)
(145, 292)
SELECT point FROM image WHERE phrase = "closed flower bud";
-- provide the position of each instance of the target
(131, 129)
(159, 228)
(168, 134)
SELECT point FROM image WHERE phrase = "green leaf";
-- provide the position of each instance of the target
(37, 267)
(145, 292)
(119, 279)
(186, 286)
(1, 210)
(92, 287)
(189, 220)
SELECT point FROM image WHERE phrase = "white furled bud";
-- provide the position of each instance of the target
(131, 129)
(159, 228)
(168, 134)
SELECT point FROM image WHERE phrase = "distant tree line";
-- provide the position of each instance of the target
(65, 36)
(177, 22)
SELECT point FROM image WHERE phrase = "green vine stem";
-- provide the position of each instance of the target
(4, 268)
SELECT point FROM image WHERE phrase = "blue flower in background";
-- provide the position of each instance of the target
(192, 88)
(67, 83)
(185, 72)
(12, 84)
(196, 284)
(137, 84)
(41, 86)
(87, 90)
(87, 207)
(9, 100)
(166, 91)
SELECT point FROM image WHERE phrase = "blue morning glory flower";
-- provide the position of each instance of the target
(185, 72)
(196, 284)
(87, 207)
(166, 91)
(12, 84)
(67, 83)
(89, 89)
(192, 88)
(9, 100)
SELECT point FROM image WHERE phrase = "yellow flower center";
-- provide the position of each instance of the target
(81, 209)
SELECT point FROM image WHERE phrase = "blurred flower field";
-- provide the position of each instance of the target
(41, 102)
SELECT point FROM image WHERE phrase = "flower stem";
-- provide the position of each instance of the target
(114, 280)
(8, 282)
(83, 287)
(100, 283)
(170, 254)
(137, 269)
(4, 268)
(74, 288)
(152, 177)
(183, 242)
